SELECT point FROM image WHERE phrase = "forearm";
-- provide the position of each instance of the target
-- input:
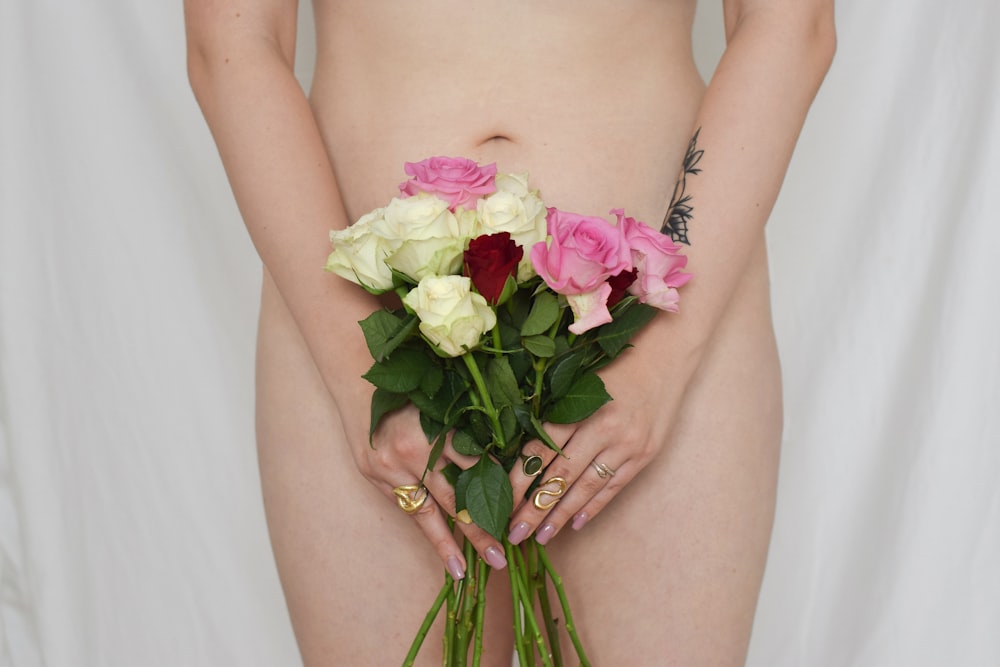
(285, 188)
(749, 121)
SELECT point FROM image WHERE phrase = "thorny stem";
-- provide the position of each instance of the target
(542, 591)
(482, 574)
(519, 639)
(428, 620)
(526, 604)
(564, 602)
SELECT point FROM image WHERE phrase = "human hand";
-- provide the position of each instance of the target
(396, 462)
(601, 454)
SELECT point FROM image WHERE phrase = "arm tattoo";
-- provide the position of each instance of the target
(680, 211)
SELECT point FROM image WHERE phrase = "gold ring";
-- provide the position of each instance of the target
(531, 465)
(411, 497)
(555, 495)
(603, 471)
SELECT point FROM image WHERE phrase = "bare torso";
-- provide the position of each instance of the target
(596, 99)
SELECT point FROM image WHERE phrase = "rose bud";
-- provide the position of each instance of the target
(490, 261)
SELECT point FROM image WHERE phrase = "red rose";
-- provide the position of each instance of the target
(489, 261)
(620, 282)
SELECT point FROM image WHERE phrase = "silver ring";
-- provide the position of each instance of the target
(603, 471)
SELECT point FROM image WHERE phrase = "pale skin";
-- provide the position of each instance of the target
(597, 100)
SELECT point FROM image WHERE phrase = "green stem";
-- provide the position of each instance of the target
(463, 613)
(484, 396)
(542, 591)
(482, 574)
(425, 627)
(454, 602)
(519, 566)
(497, 343)
(527, 604)
(570, 625)
(520, 644)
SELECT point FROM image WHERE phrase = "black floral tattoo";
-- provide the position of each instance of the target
(680, 212)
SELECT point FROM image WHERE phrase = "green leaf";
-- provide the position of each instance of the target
(518, 308)
(451, 473)
(502, 384)
(465, 444)
(431, 427)
(508, 422)
(384, 331)
(615, 335)
(432, 381)
(402, 372)
(539, 432)
(435, 454)
(509, 288)
(582, 400)
(488, 496)
(540, 346)
(383, 402)
(562, 373)
(544, 313)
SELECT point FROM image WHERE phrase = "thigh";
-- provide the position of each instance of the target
(358, 575)
(669, 572)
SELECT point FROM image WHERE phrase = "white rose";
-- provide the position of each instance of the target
(423, 258)
(515, 209)
(419, 217)
(359, 254)
(431, 238)
(452, 317)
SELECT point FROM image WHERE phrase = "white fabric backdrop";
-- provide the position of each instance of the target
(131, 529)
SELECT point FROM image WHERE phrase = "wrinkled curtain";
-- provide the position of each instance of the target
(131, 526)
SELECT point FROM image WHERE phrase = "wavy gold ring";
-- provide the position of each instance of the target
(555, 495)
(410, 497)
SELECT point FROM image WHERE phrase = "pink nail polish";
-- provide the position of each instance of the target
(454, 568)
(545, 533)
(494, 557)
(580, 520)
(519, 532)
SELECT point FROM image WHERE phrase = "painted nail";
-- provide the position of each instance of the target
(545, 533)
(495, 558)
(455, 568)
(520, 531)
(580, 520)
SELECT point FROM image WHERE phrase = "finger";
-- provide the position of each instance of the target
(567, 488)
(535, 458)
(623, 475)
(433, 523)
(461, 460)
(525, 472)
(485, 544)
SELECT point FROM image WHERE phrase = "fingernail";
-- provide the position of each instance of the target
(545, 533)
(495, 558)
(455, 568)
(580, 520)
(521, 531)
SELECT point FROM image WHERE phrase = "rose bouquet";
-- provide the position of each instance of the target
(509, 310)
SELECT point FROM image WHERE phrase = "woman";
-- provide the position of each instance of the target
(598, 101)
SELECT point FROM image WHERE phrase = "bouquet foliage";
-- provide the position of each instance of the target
(509, 309)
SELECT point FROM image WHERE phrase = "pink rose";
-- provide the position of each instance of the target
(590, 309)
(658, 262)
(457, 180)
(581, 252)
